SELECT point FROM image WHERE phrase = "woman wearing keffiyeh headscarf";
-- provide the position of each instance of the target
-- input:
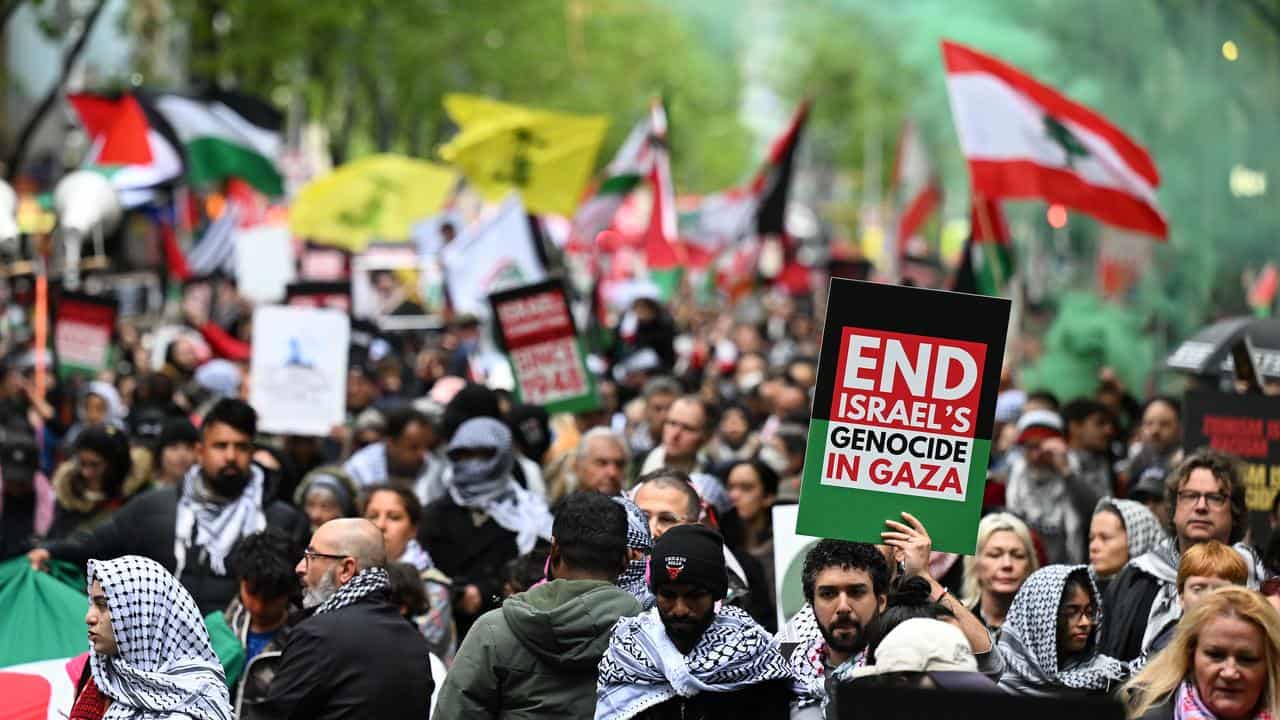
(1120, 531)
(151, 658)
(1049, 637)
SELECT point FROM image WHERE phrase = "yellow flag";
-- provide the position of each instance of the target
(378, 197)
(548, 157)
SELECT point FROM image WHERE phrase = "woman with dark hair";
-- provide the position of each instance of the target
(103, 474)
(1049, 638)
(397, 513)
(748, 527)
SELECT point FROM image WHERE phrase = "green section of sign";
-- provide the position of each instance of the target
(859, 515)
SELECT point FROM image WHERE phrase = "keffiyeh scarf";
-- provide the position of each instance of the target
(634, 578)
(417, 556)
(1029, 638)
(1141, 526)
(643, 668)
(488, 486)
(165, 666)
(216, 524)
(366, 582)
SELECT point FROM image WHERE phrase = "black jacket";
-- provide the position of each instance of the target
(1127, 604)
(360, 661)
(763, 701)
(147, 526)
(468, 554)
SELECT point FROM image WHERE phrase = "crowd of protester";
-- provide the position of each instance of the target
(618, 562)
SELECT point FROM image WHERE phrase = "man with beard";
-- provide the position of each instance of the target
(1044, 491)
(404, 458)
(355, 656)
(190, 529)
(686, 658)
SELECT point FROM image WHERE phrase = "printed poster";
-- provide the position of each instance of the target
(1248, 427)
(903, 411)
(82, 328)
(298, 371)
(537, 332)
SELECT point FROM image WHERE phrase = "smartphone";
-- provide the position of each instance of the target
(1246, 372)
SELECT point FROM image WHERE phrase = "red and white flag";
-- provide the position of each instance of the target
(1023, 139)
(916, 187)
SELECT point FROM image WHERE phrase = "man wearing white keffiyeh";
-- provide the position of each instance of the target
(151, 655)
(686, 658)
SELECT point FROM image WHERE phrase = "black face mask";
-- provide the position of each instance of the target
(229, 482)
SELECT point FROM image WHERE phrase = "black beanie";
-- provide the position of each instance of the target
(472, 401)
(689, 555)
(176, 430)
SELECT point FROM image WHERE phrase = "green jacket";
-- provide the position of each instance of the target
(536, 656)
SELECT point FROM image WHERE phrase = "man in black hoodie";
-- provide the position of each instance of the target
(191, 529)
(536, 656)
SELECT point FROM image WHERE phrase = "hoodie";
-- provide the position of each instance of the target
(536, 656)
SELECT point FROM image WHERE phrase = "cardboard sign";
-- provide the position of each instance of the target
(393, 287)
(1248, 427)
(789, 550)
(902, 414)
(82, 333)
(298, 371)
(537, 332)
(264, 263)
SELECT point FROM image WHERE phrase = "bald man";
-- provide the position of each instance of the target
(355, 656)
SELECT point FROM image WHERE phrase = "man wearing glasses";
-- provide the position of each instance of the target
(1207, 494)
(355, 656)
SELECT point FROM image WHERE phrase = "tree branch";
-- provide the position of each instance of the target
(51, 97)
(1268, 15)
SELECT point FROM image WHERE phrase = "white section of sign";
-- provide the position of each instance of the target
(906, 464)
(787, 546)
(299, 369)
(264, 263)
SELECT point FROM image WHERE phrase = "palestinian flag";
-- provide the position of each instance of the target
(1024, 139)
(227, 135)
(129, 143)
(663, 253)
(773, 186)
(625, 172)
(987, 262)
(917, 189)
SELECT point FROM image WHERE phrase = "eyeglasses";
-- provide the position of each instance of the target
(1217, 501)
(309, 553)
(1072, 613)
(694, 429)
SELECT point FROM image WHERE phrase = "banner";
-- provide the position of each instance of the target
(1248, 427)
(491, 256)
(902, 414)
(82, 328)
(536, 330)
(298, 372)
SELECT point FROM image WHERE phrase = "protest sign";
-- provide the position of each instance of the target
(332, 295)
(1248, 427)
(902, 413)
(264, 263)
(537, 332)
(82, 328)
(298, 372)
(493, 255)
(393, 287)
(789, 549)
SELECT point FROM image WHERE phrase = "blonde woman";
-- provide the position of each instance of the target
(1004, 559)
(1221, 665)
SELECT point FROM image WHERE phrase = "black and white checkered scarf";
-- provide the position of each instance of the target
(1029, 639)
(643, 668)
(634, 578)
(165, 666)
(366, 582)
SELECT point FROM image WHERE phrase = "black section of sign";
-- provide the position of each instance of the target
(554, 284)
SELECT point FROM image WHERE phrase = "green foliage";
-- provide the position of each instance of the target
(375, 71)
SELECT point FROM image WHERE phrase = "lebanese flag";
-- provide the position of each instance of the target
(663, 253)
(1024, 139)
(916, 184)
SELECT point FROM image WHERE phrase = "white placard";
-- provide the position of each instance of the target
(264, 263)
(298, 370)
(788, 548)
